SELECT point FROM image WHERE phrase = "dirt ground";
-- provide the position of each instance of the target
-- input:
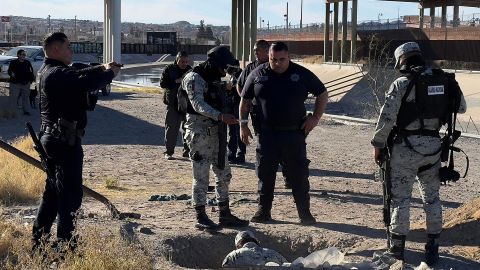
(124, 141)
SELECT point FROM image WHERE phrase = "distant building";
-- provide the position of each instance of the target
(162, 37)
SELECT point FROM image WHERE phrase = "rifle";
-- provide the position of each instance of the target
(42, 165)
(222, 127)
(384, 175)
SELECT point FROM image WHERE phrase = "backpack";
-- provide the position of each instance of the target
(433, 98)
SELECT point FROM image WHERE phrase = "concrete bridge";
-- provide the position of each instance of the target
(244, 26)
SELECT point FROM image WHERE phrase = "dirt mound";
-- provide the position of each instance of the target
(461, 227)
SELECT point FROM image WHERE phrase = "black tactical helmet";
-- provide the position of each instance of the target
(222, 56)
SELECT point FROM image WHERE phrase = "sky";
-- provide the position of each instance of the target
(216, 12)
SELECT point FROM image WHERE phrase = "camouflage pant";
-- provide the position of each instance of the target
(405, 164)
(204, 154)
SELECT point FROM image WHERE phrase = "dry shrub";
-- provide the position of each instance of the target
(99, 250)
(313, 59)
(20, 182)
(96, 251)
(111, 183)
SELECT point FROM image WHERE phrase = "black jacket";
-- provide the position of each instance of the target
(21, 72)
(167, 82)
(63, 91)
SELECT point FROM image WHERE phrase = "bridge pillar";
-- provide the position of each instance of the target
(353, 38)
(444, 14)
(244, 30)
(335, 33)
(432, 17)
(112, 31)
(234, 29)
(343, 51)
(326, 34)
(456, 13)
(422, 14)
(253, 28)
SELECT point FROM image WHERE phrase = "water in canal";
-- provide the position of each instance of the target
(146, 76)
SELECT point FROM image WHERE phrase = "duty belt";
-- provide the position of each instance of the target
(52, 130)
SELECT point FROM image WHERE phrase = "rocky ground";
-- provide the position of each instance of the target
(124, 142)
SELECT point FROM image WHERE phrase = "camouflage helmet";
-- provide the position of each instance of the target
(406, 49)
(222, 56)
(244, 234)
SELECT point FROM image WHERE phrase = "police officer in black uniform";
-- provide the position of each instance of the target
(170, 81)
(261, 56)
(64, 99)
(281, 88)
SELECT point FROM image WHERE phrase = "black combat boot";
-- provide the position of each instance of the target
(397, 246)
(262, 215)
(203, 222)
(227, 219)
(303, 208)
(431, 250)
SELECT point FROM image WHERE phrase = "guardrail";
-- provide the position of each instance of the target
(341, 85)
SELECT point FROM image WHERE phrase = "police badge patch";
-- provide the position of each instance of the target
(295, 77)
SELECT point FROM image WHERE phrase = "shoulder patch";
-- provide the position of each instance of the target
(259, 79)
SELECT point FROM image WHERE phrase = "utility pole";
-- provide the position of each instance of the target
(286, 18)
(301, 13)
(75, 25)
(49, 26)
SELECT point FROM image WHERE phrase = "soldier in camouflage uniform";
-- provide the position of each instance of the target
(249, 253)
(203, 114)
(415, 153)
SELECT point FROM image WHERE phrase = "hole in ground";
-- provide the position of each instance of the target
(208, 250)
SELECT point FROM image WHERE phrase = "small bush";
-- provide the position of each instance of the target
(111, 183)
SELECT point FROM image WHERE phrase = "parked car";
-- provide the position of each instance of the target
(79, 65)
(35, 55)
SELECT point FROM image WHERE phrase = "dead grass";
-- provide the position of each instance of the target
(143, 89)
(20, 182)
(313, 59)
(97, 250)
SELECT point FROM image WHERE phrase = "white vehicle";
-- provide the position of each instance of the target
(34, 54)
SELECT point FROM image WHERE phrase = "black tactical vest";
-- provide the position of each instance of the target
(432, 99)
(211, 97)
